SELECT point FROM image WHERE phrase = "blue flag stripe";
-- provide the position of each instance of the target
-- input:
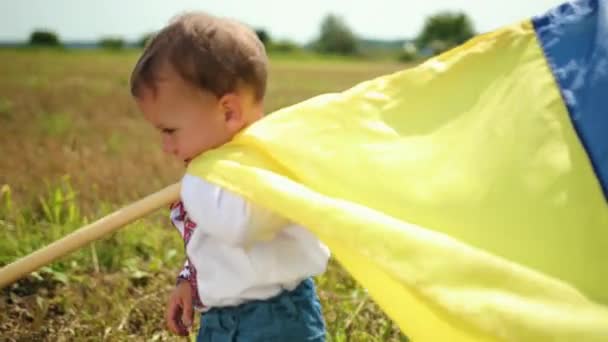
(574, 39)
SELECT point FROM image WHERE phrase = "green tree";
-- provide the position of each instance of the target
(44, 38)
(445, 30)
(145, 39)
(336, 37)
(112, 43)
(263, 36)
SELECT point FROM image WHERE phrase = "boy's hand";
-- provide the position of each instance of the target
(179, 309)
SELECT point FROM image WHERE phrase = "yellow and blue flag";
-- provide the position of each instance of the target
(468, 195)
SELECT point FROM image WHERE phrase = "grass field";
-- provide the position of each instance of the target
(73, 148)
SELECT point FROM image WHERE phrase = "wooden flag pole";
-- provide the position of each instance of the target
(87, 234)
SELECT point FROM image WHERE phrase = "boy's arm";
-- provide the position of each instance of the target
(227, 216)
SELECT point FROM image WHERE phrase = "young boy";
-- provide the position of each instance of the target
(200, 81)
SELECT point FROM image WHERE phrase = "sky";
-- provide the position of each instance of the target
(283, 19)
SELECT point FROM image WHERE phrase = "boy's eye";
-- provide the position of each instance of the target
(168, 130)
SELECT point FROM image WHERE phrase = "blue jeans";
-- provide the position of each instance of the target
(291, 316)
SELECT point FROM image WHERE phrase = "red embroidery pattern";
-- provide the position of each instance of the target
(189, 227)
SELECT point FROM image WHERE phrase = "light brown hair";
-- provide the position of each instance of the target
(211, 53)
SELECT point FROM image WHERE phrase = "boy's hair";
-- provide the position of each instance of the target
(214, 54)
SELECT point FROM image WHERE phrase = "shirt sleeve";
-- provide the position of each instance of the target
(226, 215)
(185, 272)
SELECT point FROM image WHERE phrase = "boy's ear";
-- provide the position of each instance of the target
(232, 110)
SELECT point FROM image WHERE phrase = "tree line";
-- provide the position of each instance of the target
(439, 33)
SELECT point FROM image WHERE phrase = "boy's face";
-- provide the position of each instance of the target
(190, 120)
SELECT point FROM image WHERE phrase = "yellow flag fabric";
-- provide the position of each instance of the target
(458, 193)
